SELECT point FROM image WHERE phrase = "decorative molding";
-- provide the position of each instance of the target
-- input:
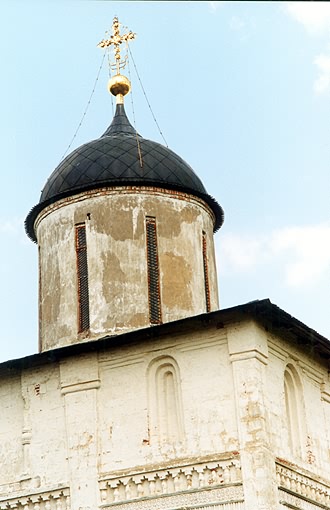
(299, 359)
(225, 498)
(123, 190)
(311, 372)
(276, 350)
(81, 386)
(305, 490)
(120, 361)
(182, 344)
(294, 502)
(232, 505)
(210, 342)
(57, 499)
(224, 474)
(249, 354)
(325, 392)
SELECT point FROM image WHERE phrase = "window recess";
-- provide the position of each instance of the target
(155, 316)
(82, 279)
(206, 273)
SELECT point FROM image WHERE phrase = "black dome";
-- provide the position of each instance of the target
(114, 160)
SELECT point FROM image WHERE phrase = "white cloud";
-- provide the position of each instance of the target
(214, 6)
(11, 226)
(322, 82)
(244, 27)
(301, 254)
(307, 250)
(241, 253)
(236, 23)
(314, 16)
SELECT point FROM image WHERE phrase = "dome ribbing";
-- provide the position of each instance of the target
(113, 160)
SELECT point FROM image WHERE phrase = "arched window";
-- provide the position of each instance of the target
(165, 406)
(294, 409)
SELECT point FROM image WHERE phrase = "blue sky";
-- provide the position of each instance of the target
(240, 90)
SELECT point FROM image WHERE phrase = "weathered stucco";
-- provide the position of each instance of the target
(94, 429)
(117, 261)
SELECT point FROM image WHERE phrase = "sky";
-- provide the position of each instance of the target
(240, 90)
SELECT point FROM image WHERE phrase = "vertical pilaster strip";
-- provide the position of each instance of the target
(79, 379)
(40, 300)
(26, 428)
(155, 315)
(206, 274)
(248, 350)
(82, 278)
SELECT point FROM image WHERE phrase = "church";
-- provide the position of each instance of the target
(144, 394)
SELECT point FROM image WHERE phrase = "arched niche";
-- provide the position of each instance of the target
(294, 410)
(165, 401)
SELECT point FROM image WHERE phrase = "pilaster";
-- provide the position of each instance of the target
(248, 352)
(79, 385)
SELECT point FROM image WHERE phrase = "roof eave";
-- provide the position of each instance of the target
(32, 216)
(271, 317)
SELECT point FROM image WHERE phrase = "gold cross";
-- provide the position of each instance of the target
(116, 39)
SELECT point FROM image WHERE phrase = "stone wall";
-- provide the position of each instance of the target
(94, 429)
(117, 258)
(303, 437)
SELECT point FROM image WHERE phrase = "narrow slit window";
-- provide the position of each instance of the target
(82, 279)
(153, 272)
(206, 274)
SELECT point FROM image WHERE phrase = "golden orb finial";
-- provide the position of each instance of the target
(118, 85)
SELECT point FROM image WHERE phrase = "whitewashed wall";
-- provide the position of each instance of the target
(92, 429)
